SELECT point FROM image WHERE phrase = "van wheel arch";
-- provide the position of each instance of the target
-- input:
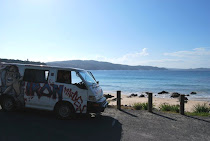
(64, 104)
(7, 97)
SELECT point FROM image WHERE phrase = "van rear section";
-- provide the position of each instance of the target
(66, 91)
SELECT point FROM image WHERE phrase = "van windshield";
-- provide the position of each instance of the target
(87, 77)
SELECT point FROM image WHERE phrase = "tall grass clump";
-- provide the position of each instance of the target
(169, 108)
(139, 106)
(201, 108)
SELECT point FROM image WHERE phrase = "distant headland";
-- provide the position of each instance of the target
(97, 65)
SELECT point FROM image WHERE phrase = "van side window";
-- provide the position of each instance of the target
(75, 78)
(64, 76)
(36, 76)
(77, 81)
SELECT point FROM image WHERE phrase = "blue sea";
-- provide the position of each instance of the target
(139, 81)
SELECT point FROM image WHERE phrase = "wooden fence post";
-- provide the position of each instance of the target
(181, 109)
(150, 102)
(119, 100)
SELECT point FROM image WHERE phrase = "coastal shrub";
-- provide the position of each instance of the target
(168, 107)
(145, 106)
(201, 108)
(139, 106)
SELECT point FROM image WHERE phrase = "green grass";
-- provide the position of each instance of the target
(169, 108)
(197, 114)
(201, 108)
(140, 106)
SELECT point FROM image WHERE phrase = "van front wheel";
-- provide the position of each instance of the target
(64, 111)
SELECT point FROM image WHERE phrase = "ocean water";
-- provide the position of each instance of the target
(139, 81)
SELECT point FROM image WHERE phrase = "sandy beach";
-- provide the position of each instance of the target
(189, 106)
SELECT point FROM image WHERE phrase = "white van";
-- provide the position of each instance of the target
(63, 90)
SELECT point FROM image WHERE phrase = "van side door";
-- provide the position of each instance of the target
(37, 89)
(75, 90)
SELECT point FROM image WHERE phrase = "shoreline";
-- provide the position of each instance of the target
(157, 101)
(194, 97)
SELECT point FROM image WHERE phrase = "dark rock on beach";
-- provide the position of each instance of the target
(132, 95)
(193, 93)
(141, 95)
(163, 92)
(108, 96)
(175, 94)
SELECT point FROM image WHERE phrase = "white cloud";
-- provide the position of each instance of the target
(195, 58)
(137, 54)
(125, 59)
(131, 56)
(163, 61)
(193, 53)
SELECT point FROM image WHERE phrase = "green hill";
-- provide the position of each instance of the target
(96, 65)
(21, 62)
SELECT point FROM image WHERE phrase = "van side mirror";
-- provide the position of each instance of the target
(97, 82)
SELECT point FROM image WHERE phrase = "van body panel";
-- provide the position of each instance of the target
(44, 94)
(78, 97)
(97, 91)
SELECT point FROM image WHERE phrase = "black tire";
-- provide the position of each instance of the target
(8, 104)
(64, 111)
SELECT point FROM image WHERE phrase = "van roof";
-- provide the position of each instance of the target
(43, 66)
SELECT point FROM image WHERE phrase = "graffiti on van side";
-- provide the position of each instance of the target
(11, 81)
(53, 91)
(76, 99)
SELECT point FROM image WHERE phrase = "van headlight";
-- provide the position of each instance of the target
(92, 98)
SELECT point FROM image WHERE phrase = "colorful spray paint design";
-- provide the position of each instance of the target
(53, 91)
(11, 82)
(78, 102)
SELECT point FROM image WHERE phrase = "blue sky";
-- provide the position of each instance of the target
(163, 33)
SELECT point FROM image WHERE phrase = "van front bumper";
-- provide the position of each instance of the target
(97, 107)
